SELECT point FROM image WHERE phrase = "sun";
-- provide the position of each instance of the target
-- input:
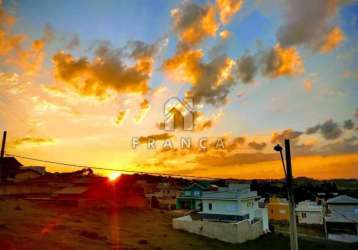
(114, 176)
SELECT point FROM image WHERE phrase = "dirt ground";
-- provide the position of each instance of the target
(29, 225)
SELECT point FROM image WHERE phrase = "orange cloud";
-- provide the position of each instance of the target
(31, 60)
(194, 23)
(224, 34)
(307, 84)
(281, 61)
(210, 81)
(29, 140)
(106, 72)
(121, 117)
(333, 39)
(156, 137)
(144, 108)
(184, 66)
(228, 8)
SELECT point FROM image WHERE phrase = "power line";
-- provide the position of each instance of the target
(109, 169)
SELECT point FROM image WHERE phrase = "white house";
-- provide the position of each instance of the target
(233, 205)
(230, 214)
(342, 219)
(308, 212)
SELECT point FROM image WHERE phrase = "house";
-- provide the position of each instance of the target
(25, 174)
(230, 214)
(190, 196)
(342, 219)
(39, 169)
(278, 209)
(308, 212)
(233, 205)
(9, 167)
(165, 196)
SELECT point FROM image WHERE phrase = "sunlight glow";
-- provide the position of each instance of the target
(114, 176)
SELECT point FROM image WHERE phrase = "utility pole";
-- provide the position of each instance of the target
(2, 153)
(291, 201)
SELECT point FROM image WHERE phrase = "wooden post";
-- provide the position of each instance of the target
(291, 201)
(2, 154)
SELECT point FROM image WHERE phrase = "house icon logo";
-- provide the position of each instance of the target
(179, 114)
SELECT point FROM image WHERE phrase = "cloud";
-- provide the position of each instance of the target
(280, 61)
(348, 125)
(345, 146)
(8, 41)
(256, 145)
(308, 23)
(246, 68)
(235, 159)
(31, 60)
(73, 42)
(224, 34)
(30, 140)
(194, 23)
(237, 141)
(334, 38)
(228, 8)
(13, 50)
(286, 134)
(211, 82)
(107, 71)
(156, 137)
(313, 130)
(121, 116)
(201, 123)
(144, 108)
(307, 84)
(330, 130)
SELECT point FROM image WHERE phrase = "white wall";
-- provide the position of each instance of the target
(231, 207)
(311, 217)
(229, 232)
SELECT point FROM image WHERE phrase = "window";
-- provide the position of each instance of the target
(196, 193)
(210, 206)
(187, 193)
(304, 215)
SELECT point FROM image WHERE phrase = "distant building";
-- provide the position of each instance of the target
(190, 197)
(26, 174)
(308, 212)
(9, 167)
(278, 209)
(165, 196)
(342, 219)
(41, 170)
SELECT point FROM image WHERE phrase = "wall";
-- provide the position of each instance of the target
(238, 232)
(231, 207)
(312, 217)
(19, 189)
(278, 211)
(221, 207)
(26, 176)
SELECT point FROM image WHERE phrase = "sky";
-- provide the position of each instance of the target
(81, 80)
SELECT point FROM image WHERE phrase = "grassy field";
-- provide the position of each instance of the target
(26, 225)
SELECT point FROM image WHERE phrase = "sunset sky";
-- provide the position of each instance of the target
(80, 79)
